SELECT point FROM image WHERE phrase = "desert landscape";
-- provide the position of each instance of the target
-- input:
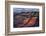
(26, 19)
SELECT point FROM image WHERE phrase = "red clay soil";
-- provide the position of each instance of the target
(29, 21)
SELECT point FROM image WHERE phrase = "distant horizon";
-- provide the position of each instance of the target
(19, 10)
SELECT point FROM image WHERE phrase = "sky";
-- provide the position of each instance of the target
(19, 10)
